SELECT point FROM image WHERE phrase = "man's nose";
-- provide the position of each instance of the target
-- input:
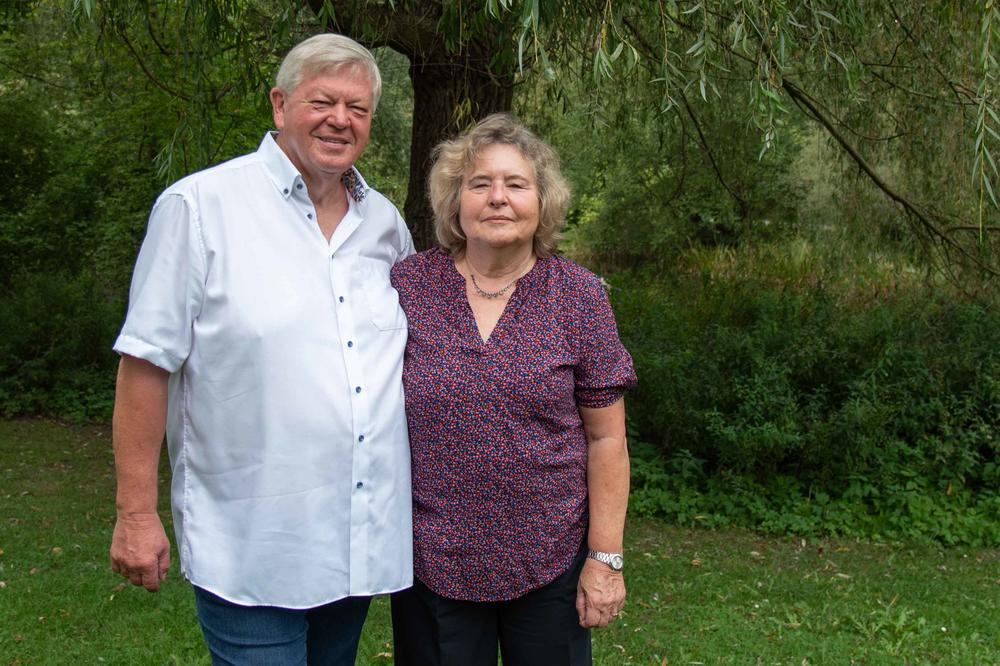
(338, 116)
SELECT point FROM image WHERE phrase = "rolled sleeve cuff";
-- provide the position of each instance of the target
(126, 344)
(596, 398)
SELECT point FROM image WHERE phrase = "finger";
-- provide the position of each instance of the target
(592, 617)
(134, 577)
(581, 605)
(164, 564)
(151, 582)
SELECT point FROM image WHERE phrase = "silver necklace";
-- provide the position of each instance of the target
(491, 294)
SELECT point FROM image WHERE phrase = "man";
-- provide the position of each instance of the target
(264, 337)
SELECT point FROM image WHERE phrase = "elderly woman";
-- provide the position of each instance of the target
(513, 376)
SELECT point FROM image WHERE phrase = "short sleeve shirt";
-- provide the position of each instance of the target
(290, 461)
(498, 447)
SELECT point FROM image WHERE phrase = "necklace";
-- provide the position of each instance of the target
(491, 294)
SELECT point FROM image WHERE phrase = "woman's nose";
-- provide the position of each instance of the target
(498, 194)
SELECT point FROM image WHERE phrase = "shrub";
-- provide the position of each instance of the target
(55, 351)
(799, 407)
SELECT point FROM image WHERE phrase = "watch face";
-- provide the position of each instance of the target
(617, 562)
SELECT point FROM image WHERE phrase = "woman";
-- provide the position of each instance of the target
(513, 376)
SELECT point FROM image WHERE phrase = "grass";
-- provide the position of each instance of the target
(695, 597)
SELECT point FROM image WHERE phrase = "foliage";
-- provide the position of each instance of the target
(718, 597)
(793, 400)
(92, 141)
(890, 85)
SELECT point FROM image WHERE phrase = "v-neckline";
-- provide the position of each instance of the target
(509, 308)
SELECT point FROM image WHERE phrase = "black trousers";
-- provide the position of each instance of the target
(540, 628)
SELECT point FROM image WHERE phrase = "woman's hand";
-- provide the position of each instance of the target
(600, 594)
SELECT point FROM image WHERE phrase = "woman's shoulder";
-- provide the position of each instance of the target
(573, 277)
(420, 266)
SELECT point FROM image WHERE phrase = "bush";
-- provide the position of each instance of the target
(798, 407)
(55, 351)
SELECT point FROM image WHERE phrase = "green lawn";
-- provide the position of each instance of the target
(696, 597)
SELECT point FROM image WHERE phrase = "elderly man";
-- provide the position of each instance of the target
(264, 338)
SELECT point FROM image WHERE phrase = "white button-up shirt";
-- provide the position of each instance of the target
(285, 422)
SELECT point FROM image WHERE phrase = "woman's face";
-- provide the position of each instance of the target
(499, 204)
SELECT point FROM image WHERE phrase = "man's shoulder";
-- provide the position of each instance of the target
(216, 176)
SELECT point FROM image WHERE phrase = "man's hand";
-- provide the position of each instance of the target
(600, 594)
(140, 550)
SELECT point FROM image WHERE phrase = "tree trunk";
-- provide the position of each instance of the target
(448, 96)
(452, 86)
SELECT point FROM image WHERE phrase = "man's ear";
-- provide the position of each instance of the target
(277, 96)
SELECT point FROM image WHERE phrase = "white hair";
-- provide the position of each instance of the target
(327, 51)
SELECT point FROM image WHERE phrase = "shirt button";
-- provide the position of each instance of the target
(350, 343)
(309, 215)
(341, 299)
(298, 186)
(360, 485)
(357, 389)
(361, 438)
(285, 190)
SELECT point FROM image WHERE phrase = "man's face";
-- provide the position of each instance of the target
(325, 121)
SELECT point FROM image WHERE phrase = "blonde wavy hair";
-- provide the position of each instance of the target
(453, 159)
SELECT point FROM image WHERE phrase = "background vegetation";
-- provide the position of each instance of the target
(792, 204)
(695, 595)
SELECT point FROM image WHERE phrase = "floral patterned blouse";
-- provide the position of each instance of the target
(498, 447)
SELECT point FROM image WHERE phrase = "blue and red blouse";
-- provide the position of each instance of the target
(498, 448)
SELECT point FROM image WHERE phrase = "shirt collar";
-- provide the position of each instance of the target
(287, 178)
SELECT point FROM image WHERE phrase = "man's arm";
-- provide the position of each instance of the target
(139, 547)
(601, 591)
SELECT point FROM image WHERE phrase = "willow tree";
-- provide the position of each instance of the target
(890, 84)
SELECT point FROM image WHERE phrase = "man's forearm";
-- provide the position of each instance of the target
(138, 426)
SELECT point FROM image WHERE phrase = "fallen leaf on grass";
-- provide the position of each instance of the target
(843, 576)
(754, 554)
(116, 589)
(3, 584)
(696, 562)
(57, 551)
(32, 571)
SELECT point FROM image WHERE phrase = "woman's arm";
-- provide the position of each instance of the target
(601, 590)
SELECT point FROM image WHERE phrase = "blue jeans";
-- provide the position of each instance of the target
(268, 635)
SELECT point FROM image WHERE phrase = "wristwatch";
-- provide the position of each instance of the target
(613, 560)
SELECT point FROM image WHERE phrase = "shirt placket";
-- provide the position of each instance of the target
(349, 310)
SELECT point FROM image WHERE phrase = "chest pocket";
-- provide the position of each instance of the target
(380, 298)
